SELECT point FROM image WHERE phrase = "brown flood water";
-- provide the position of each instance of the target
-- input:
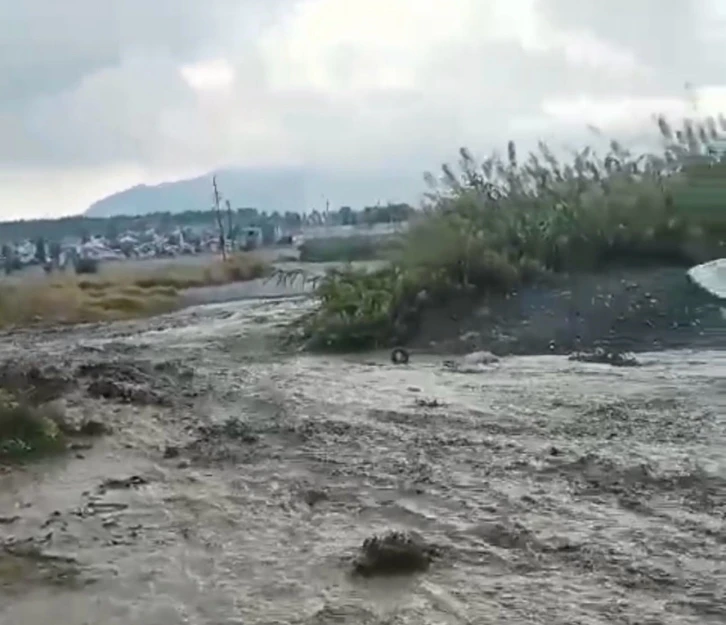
(557, 491)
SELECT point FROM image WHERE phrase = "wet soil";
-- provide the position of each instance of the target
(241, 484)
(622, 310)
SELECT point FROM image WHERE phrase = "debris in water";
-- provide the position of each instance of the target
(119, 483)
(227, 441)
(25, 565)
(313, 496)
(428, 403)
(38, 384)
(132, 382)
(91, 427)
(606, 357)
(171, 451)
(399, 356)
(127, 393)
(506, 534)
(476, 362)
(233, 428)
(395, 553)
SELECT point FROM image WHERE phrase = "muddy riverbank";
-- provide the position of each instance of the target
(649, 309)
(623, 310)
(238, 482)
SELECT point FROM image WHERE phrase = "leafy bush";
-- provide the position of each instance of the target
(494, 225)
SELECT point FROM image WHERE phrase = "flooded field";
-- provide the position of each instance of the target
(238, 483)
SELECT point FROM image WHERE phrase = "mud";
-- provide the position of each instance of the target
(533, 489)
(621, 311)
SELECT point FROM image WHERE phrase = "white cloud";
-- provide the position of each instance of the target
(633, 115)
(212, 75)
(41, 193)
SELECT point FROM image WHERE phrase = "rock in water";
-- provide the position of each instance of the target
(395, 553)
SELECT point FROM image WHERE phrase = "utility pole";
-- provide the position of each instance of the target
(230, 229)
(218, 213)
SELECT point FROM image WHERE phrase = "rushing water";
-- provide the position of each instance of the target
(558, 492)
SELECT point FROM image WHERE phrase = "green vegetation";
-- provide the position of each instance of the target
(123, 291)
(30, 427)
(26, 429)
(347, 249)
(492, 226)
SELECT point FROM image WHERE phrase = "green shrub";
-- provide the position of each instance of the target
(494, 225)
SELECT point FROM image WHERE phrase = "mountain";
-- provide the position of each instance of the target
(282, 190)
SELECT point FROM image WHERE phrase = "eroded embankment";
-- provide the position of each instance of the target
(625, 310)
(238, 483)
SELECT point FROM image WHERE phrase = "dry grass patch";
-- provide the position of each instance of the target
(125, 291)
(238, 268)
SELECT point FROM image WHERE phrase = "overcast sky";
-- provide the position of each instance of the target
(99, 95)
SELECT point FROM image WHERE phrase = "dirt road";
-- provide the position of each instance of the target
(238, 483)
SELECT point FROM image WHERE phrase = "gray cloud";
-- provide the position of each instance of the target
(339, 83)
(47, 46)
(682, 41)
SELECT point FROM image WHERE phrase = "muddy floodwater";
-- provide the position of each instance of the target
(238, 482)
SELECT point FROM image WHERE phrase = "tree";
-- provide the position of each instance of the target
(7, 258)
(55, 252)
(231, 231)
(247, 216)
(346, 216)
(292, 220)
(112, 231)
(40, 251)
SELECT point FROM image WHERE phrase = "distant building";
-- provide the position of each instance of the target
(252, 238)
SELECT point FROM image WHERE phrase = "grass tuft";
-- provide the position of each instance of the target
(26, 429)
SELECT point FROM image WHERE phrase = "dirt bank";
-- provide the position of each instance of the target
(645, 310)
(238, 483)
